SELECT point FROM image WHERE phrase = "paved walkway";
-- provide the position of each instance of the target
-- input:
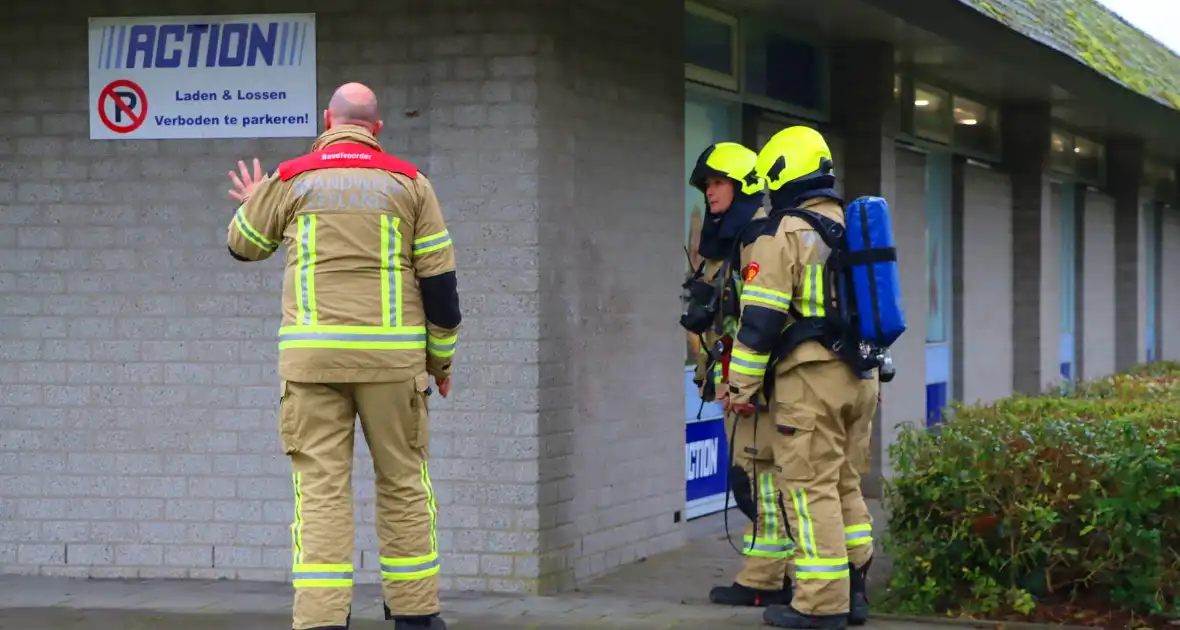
(664, 592)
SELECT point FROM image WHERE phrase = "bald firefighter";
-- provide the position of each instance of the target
(724, 173)
(370, 313)
(822, 406)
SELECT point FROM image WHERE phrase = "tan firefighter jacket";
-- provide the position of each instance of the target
(365, 242)
(788, 269)
(706, 367)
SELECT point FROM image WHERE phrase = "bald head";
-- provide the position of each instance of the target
(354, 103)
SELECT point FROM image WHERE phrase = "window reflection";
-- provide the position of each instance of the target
(1061, 152)
(1089, 158)
(931, 119)
(975, 127)
(708, 43)
(783, 69)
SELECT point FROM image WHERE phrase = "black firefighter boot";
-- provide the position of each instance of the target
(740, 595)
(858, 614)
(415, 622)
(788, 617)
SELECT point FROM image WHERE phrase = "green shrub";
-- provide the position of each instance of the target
(1037, 500)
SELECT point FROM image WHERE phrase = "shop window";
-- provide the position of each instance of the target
(1061, 156)
(1089, 159)
(783, 69)
(932, 119)
(710, 46)
(975, 126)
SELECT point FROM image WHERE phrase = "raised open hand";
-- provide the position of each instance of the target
(244, 186)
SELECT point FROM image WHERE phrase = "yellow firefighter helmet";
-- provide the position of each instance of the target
(727, 159)
(792, 155)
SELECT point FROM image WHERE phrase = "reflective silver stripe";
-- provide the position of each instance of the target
(813, 292)
(804, 524)
(258, 239)
(442, 347)
(393, 263)
(411, 568)
(308, 259)
(733, 360)
(314, 336)
(770, 297)
(319, 575)
(768, 547)
(439, 239)
(819, 566)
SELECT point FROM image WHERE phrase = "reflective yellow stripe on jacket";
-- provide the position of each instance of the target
(251, 234)
(390, 335)
(431, 242)
(442, 347)
(812, 299)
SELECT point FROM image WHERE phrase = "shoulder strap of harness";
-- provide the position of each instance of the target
(346, 155)
(829, 230)
(829, 330)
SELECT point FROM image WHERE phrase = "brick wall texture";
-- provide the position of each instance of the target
(137, 425)
(904, 398)
(1098, 284)
(987, 285)
(611, 195)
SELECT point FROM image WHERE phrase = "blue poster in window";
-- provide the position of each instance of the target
(706, 454)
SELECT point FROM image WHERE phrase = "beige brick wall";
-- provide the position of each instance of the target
(987, 285)
(1098, 286)
(611, 224)
(904, 399)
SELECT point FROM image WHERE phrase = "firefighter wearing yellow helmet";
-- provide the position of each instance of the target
(725, 175)
(822, 408)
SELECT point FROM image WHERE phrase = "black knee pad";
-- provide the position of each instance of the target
(743, 494)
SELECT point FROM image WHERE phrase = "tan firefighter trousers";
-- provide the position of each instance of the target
(824, 416)
(766, 545)
(317, 426)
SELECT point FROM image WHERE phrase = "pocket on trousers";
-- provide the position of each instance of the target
(419, 430)
(288, 421)
(794, 441)
(764, 436)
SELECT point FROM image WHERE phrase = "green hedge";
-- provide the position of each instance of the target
(1068, 501)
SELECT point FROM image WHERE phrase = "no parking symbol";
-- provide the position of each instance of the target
(127, 104)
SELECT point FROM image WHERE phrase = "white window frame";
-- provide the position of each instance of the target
(712, 77)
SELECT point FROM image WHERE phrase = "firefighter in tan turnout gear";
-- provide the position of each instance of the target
(724, 173)
(370, 313)
(822, 408)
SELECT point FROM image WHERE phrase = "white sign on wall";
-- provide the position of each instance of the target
(226, 76)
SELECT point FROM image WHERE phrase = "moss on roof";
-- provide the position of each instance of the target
(1097, 37)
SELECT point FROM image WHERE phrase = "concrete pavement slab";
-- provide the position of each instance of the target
(669, 591)
(35, 603)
